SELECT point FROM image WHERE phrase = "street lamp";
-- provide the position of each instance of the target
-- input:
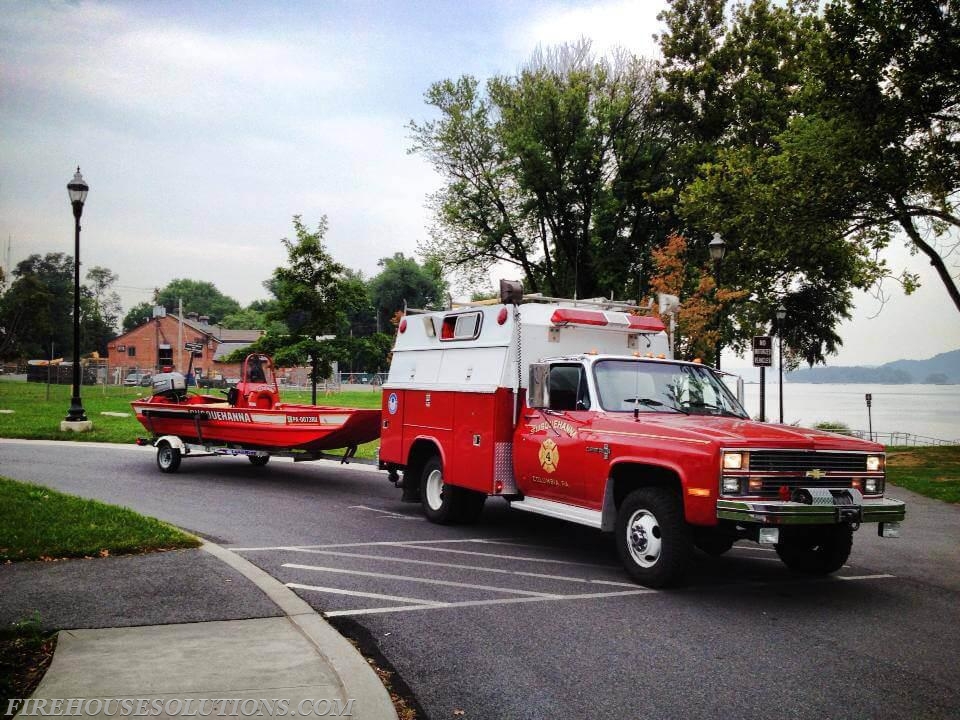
(717, 249)
(77, 189)
(781, 316)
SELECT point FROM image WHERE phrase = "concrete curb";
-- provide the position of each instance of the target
(355, 675)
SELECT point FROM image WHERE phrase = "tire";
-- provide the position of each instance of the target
(815, 551)
(258, 460)
(447, 504)
(168, 457)
(653, 540)
(712, 542)
(470, 505)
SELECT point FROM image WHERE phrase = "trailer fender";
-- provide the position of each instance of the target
(173, 441)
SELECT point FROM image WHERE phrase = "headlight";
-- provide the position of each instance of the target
(731, 485)
(873, 486)
(874, 463)
(734, 461)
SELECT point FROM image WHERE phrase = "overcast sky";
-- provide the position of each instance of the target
(203, 127)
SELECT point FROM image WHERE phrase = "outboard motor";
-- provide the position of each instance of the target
(171, 385)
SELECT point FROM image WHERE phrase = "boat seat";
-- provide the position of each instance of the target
(262, 399)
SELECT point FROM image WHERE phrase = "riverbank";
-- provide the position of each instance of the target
(927, 412)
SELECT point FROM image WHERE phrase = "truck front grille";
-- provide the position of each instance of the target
(793, 461)
(770, 470)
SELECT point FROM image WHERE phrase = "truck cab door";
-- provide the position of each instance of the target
(548, 455)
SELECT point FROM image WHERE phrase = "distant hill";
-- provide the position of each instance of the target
(942, 369)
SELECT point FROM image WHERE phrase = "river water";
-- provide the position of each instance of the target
(928, 411)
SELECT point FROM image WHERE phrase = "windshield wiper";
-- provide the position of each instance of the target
(650, 402)
(714, 408)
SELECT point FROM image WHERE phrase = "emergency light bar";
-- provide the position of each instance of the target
(613, 320)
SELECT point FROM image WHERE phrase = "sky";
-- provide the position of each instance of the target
(202, 128)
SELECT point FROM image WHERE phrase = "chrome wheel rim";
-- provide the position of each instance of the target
(434, 489)
(643, 538)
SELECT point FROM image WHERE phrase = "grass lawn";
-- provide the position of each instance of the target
(38, 410)
(930, 471)
(37, 523)
(40, 523)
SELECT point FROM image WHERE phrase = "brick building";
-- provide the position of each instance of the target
(158, 343)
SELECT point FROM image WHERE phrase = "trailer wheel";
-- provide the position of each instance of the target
(653, 539)
(815, 551)
(258, 460)
(168, 457)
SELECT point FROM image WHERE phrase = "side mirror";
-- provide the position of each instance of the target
(537, 393)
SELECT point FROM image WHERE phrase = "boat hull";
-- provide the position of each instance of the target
(285, 427)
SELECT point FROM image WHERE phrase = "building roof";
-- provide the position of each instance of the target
(225, 348)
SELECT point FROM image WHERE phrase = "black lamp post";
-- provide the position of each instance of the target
(717, 249)
(78, 195)
(781, 316)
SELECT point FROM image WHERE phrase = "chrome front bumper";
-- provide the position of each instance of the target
(776, 512)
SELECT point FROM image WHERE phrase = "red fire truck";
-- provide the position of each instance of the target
(574, 410)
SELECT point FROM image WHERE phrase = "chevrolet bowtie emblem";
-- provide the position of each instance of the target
(815, 474)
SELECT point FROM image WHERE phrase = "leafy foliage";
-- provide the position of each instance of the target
(199, 296)
(137, 316)
(36, 311)
(402, 282)
(553, 171)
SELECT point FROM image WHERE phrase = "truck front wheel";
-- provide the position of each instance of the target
(447, 504)
(653, 539)
(817, 550)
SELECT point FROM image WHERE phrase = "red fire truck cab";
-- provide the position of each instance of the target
(574, 410)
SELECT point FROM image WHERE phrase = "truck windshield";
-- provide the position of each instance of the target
(649, 386)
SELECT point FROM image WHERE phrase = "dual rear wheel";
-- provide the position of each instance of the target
(447, 504)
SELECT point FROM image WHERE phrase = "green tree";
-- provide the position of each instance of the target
(198, 296)
(37, 308)
(137, 316)
(309, 293)
(361, 316)
(402, 282)
(556, 171)
(733, 161)
(886, 95)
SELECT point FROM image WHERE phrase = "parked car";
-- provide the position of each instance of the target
(138, 377)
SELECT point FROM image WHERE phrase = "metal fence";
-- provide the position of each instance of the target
(901, 438)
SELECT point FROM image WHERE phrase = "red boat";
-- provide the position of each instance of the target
(251, 420)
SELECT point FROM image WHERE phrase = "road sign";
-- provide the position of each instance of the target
(193, 347)
(762, 351)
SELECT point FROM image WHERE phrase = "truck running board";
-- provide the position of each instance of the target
(561, 511)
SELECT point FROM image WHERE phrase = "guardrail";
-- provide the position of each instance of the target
(901, 438)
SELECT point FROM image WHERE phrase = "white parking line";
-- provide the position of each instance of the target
(419, 546)
(479, 603)
(359, 544)
(387, 513)
(864, 577)
(457, 566)
(358, 593)
(427, 581)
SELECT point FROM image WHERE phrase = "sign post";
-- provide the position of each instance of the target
(870, 415)
(763, 358)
